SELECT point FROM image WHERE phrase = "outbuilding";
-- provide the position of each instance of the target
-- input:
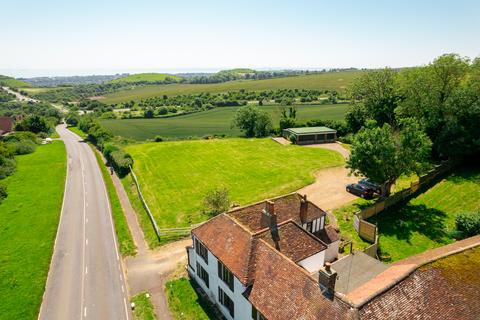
(310, 135)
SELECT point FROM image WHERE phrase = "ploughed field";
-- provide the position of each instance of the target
(175, 176)
(216, 121)
(324, 81)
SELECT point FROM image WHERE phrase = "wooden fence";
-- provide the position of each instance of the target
(365, 229)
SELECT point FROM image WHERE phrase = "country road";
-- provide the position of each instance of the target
(18, 95)
(86, 278)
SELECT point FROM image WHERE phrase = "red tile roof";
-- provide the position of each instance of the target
(295, 243)
(282, 290)
(286, 208)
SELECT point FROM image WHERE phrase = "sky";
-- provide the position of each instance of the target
(46, 38)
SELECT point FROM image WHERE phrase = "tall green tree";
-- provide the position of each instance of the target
(253, 121)
(383, 154)
(288, 117)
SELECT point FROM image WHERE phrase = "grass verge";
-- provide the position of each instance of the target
(29, 218)
(143, 307)
(127, 247)
(79, 132)
(185, 303)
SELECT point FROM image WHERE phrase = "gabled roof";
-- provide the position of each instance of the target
(283, 290)
(310, 130)
(286, 208)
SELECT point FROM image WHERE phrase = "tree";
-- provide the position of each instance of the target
(35, 124)
(252, 121)
(148, 113)
(288, 119)
(375, 93)
(383, 154)
(72, 119)
(216, 201)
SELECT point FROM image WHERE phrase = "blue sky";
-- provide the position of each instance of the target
(114, 36)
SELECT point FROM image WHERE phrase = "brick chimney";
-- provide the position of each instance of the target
(327, 278)
(303, 209)
(267, 214)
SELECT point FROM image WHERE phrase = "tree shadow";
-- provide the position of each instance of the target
(403, 222)
(208, 307)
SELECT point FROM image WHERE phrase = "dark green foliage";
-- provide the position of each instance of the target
(121, 162)
(148, 113)
(35, 124)
(7, 167)
(72, 119)
(340, 126)
(468, 223)
(288, 119)
(3, 192)
(253, 121)
(24, 147)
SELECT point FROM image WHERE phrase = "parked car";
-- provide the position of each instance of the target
(360, 190)
(371, 185)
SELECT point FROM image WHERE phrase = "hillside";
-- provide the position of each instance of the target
(146, 77)
(323, 81)
(12, 82)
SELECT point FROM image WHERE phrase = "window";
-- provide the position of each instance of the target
(256, 315)
(309, 226)
(201, 250)
(226, 301)
(202, 274)
(225, 275)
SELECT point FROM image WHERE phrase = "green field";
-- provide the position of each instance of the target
(428, 221)
(145, 77)
(12, 82)
(175, 176)
(331, 81)
(29, 218)
(185, 303)
(143, 307)
(215, 121)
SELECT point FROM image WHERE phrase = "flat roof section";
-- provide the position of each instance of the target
(310, 130)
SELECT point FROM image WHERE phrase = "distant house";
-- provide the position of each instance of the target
(267, 261)
(6, 125)
(310, 135)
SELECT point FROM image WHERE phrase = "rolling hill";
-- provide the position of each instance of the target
(12, 82)
(323, 81)
(146, 78)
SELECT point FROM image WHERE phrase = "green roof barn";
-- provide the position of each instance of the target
(310, 135)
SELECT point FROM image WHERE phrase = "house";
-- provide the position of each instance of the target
(260, 262)
(235, 252)
(310, 135)
(6, 125)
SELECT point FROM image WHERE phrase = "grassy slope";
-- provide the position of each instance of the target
(215, 121)
(145, 77)
(175, 176)
(143, 307)
(12, 82)
(428, 220)
(79, 132)
(185, 303)
(127, 247)
(332, 81)
(29, 218)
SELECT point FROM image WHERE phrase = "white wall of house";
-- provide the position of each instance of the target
(332, 251)
(242, 309)
(313, 263)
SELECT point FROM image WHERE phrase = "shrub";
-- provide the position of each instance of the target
(293, 138)
(216, 201)
(24, 147)
(468, 223)
(158, 139)
(7, 167)
(121, 162)
(3, 192)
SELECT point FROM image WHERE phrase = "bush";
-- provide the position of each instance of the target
(7, 167)
(24, 147)
(3, 192)
(158, 139)
(216, 201)
(468, 223)
(121, 162)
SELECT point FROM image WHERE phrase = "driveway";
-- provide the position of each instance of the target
(328, 191)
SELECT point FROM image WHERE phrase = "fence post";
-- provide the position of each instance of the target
(145, 205)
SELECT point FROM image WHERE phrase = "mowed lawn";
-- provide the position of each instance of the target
(175, 176)
(29, 218)
(216, 121)
(428, 221)
(324, 81)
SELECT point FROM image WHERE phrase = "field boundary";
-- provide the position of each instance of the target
(145, 205)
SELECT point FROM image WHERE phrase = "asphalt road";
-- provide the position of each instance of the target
(86, 279)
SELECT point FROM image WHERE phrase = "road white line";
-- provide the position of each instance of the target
(86, 242)
(84, 236)
(123, 290)
(86, 270)
(85, 312)
(126, 309)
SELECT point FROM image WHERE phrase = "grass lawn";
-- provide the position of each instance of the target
(325, 81)
(127, 247)
(145, 77)
(215, 121)
(185, 303)
(428, 221)
(175, 176)
(29, 218)
(143, 307)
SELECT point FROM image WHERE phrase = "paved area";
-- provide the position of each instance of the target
(86, 279)
(281, 140)
(149, 269)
